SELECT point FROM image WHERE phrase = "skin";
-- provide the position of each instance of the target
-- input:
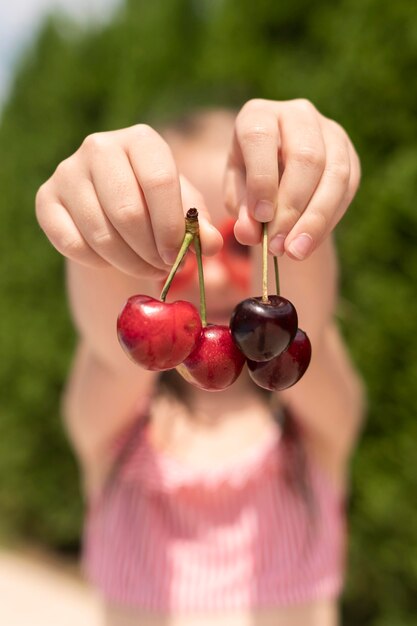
(115, 209)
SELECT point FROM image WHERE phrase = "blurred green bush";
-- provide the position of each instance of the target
(355, 59)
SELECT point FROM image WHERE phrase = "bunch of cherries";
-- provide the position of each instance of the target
(263, 332)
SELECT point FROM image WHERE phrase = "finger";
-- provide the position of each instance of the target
(247, 230)
(303, 157)
(324, 208)
(155, 169)
(355, 174)
(82, 203)
(234, 186)
(255, 150)
(211, 239)
(354, 180)
(64, 235)
(122, 200)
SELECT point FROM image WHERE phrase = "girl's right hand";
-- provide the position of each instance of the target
(119, 201)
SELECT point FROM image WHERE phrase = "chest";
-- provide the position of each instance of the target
(203, 441)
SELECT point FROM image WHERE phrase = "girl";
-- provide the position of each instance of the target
(209, 508)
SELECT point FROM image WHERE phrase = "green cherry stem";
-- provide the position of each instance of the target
(203, 309)
(265, 263)
(191, 228)
(276, 274)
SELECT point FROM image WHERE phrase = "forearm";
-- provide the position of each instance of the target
(104, 386)
(329, 401)
(96, 297)
(99, 402)
(312, 286)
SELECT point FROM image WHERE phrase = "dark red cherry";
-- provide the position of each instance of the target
(262, 330)
(285, 369)
(215, 363)
(158, 335)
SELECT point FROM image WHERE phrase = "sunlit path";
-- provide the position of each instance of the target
(35, 591)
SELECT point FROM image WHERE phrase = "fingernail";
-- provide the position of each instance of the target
(264, 211)
(301, 246)
(169, 256)
(276, 245)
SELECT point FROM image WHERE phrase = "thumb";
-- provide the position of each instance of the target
(211, 239)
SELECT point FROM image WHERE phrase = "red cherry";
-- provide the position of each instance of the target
(285, 369)
(216, 361)
(158, 335)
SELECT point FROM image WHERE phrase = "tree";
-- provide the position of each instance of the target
(354, 59)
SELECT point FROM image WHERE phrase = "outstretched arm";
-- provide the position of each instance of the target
(297, 170)
(329, 399)
(115, 210)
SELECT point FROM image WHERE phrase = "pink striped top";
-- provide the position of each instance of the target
(165, 538)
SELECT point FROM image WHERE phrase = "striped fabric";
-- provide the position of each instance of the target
(164, 537)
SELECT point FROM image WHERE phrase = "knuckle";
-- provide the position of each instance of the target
(339, 170)
(126, 213)
(253, 103)
(64, 169)
(255, 134)
(72, 247)
(41, 198)
(337, 128)
(143, 130)
(95, 142)
(303, 104)
(321, 221)
(287, 215)
(40, 214)
(309, 157)
(102, 239)
(160, 180)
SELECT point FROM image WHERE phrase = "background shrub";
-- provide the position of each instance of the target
(355, 60)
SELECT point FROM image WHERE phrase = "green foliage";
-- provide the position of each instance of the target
(355, 60)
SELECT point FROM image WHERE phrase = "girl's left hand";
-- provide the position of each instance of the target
(292, 167)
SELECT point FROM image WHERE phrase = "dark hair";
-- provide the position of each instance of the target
(197, 123)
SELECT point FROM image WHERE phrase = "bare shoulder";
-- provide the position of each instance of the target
(98, 405)
(330, 463)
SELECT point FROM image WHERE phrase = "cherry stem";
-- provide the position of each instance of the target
(203, 309)
(191, 227)
(265, 263)
(276, 274)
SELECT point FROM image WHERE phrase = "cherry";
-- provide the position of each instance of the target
(263, 329)
(216, 362)
(158, 335)
(285, 369)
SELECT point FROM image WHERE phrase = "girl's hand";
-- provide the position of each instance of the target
(292, 167)
(119, 201)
